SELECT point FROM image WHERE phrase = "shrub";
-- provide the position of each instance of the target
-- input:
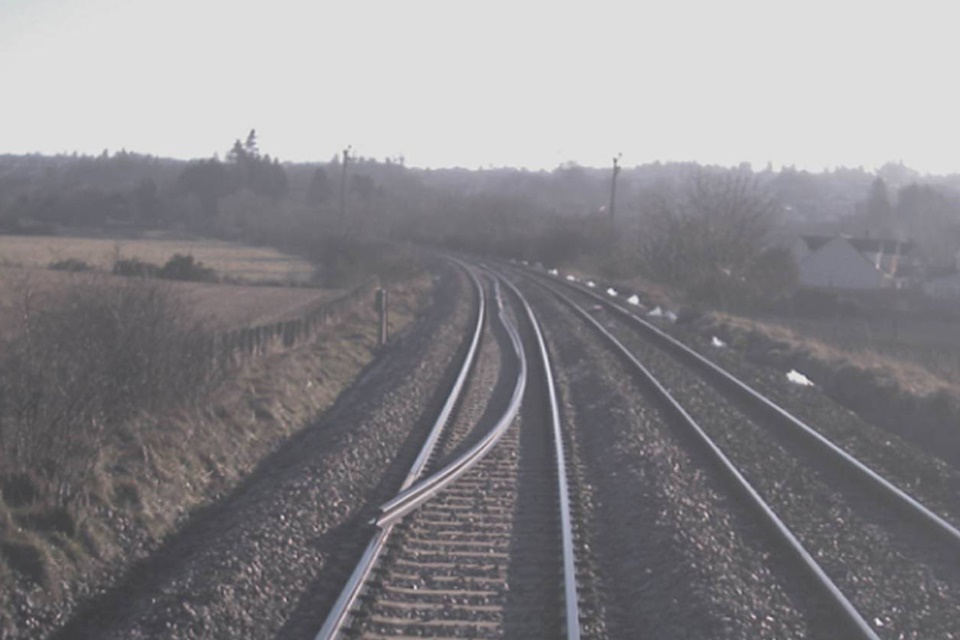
(70, 264)
(82, 363)
(134, 267)
(181, 267)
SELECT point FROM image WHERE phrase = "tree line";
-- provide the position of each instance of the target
(694, 227)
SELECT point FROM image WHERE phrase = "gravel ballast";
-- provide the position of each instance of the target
(674, 555)
(925, 477)
(887, 568)
(481, 558)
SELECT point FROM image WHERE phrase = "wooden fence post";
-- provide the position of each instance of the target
(383, 298)
(237, 345)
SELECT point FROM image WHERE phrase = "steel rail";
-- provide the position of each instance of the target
(337, 615)
(571, 599)
(844, 606)
(455, 392)
(415, 495)
(901, 497)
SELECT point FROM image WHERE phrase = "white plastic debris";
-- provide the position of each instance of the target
(660, 313)
(717, 342)
(571, 278)
(796, 377)
(553, 272)
(634, 300)
(524, 263)
(611, 292)
(591, 284)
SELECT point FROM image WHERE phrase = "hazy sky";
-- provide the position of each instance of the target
(478, 83)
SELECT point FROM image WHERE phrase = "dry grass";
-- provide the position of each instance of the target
(151, 480)
(921, 357)
(237, 262)
(224, 305)
(231, 306)
(912, 369)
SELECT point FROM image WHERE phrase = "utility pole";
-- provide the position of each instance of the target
(613, 185)
(343, 188)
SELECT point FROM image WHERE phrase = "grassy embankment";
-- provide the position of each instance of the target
(145, 462)
(903, 376)
(907, 382)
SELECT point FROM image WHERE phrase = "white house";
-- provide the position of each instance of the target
(852, 264)
(946, 284)
(945, 287)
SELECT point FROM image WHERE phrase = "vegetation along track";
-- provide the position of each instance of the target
(475, 545)
(889, 563)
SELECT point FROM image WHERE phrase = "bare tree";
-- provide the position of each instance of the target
(710, 235)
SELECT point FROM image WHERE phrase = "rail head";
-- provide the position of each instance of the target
(456, 391)
(415, 495)
(339, 612)
(571, 598)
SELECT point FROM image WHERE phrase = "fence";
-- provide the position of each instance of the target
(241, 344)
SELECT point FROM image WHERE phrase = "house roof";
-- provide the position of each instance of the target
(863, 245)
(938, 272)
(880, 245)
(815, 242)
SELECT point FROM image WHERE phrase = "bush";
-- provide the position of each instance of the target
(70, 264)
(181, 267)
(709, 241)
(82, 363)
(134, 267)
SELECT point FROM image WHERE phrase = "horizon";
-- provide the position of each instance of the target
(111, 153)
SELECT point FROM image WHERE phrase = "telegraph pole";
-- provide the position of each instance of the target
(613, 185)
(343, 187)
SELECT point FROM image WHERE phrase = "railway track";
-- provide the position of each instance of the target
(667, 539)
(478, 542)
(887, 563)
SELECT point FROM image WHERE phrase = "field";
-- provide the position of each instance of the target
(24, 261)
(236, 262)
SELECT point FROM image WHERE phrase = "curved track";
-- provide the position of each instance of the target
(470, 546)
